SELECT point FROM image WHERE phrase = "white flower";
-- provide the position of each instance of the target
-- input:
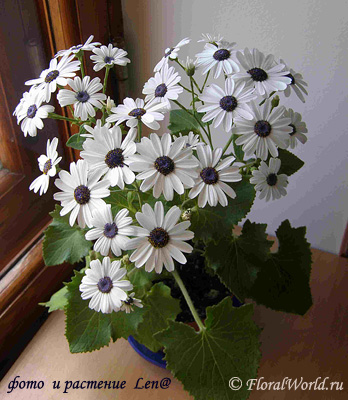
(107, 153)
(262, 72)
(264, 132)
(47, 165)
(164, 165)
(223, 106)
(110, 233)
(191, 140)
(298, 128)
(98, 126)
(109, 56)
(163, 86)
(84, 96)
(88, 46)
(56, 74)
(82, 193)
(31, 112)
(190, 66)
(297, 83)
(221, 58)
(210, 185)
(127, 305)
(109, 104)
(208, 38)
(133, 111)
(172, 53)
(267, 180)
(160, 238)
(103, 284)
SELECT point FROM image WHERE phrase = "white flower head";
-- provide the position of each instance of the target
(108, 57)
(191, 140)
(164, 165)
(81, 193)
(130, 302)
(110, 233)
(262, 72)
(213, 39)
(31, 112)
(265, 132)
(47, 165)
(171, 53)
(88, 46)
(163, 86)
(92, 130)
(109, 104)
(190, 66)
(160, 239)
(298, 128)
(107, 153)
(210, 186)
(267, 180)
(297, 83)
(222, 106)
(56, 74)
(103, 284)
(133, 111)
(84, 96)
(220, 58)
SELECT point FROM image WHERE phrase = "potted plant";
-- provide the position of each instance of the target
(154, 217)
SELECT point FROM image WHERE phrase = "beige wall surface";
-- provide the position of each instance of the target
(311, 36)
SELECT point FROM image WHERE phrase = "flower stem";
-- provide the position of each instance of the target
(227, 144)
(193, 95)
(80, 58)
(57, 116)
(138, 193)
(106, 78)
(205, 81)
(184, 87)
(188, 300)
(139, 131)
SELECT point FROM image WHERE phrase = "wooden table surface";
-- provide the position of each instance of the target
(309, 347)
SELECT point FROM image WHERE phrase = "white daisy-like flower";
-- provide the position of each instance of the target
(31, 112)
(191, 140)
(262, 72)
(267, 180)
(81, 194)
(164, 165)
(171, 53)
(222, 106)
(110, 233)
(265, 132)
(84, 96)
(160, 239)
(163, 86)
(127, 305)
(108, 57)
(221, 58)
(103, 284)
(298, 128)
(297, 83)
(210, 186)
(107, 153)
(47, 165)
(109, 104)
(88, 46)
(208, 38)
(133, 111)
(92, 130)
(56, 74)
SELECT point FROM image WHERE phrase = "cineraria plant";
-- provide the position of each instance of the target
(139, 210)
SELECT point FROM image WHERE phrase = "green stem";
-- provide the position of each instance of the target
(57, 116)
(205, 81)
(138, 193)
(184, 87)
(272, 93)
(248, 165)
(193, 95)
(139, 131)
(80, 58)
(227, 144)
(188, 300)
(196, 84)
(106, 79)
(180, 64)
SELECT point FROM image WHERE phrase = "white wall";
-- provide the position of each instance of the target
(311, 36)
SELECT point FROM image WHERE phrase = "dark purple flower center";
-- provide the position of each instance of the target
(77, 47)
(161, 90)
(82, 194)
(228, 103)
(262, 128)
(31, 112)
(258, 74)
(164, 165)
(158, 238)
(114, 158)
(292, 79)
(105, 284)
(47, 166)
(137, 112)
(51, 76)
(209, 175)
(169, 52)
(272, 179)
(129, 301)
(82, 96)
(110, 230)
(221, 55)
(293, 130)
(108, 60)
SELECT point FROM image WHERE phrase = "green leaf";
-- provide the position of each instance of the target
(205, 362)
(63, 242)
(161, 308)
(289, 162)
(76, 141)
(141, 280)
(118, 200)
(57, 301)
(123, 324)
(238, 151)
(181, 121)
(213, 223)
